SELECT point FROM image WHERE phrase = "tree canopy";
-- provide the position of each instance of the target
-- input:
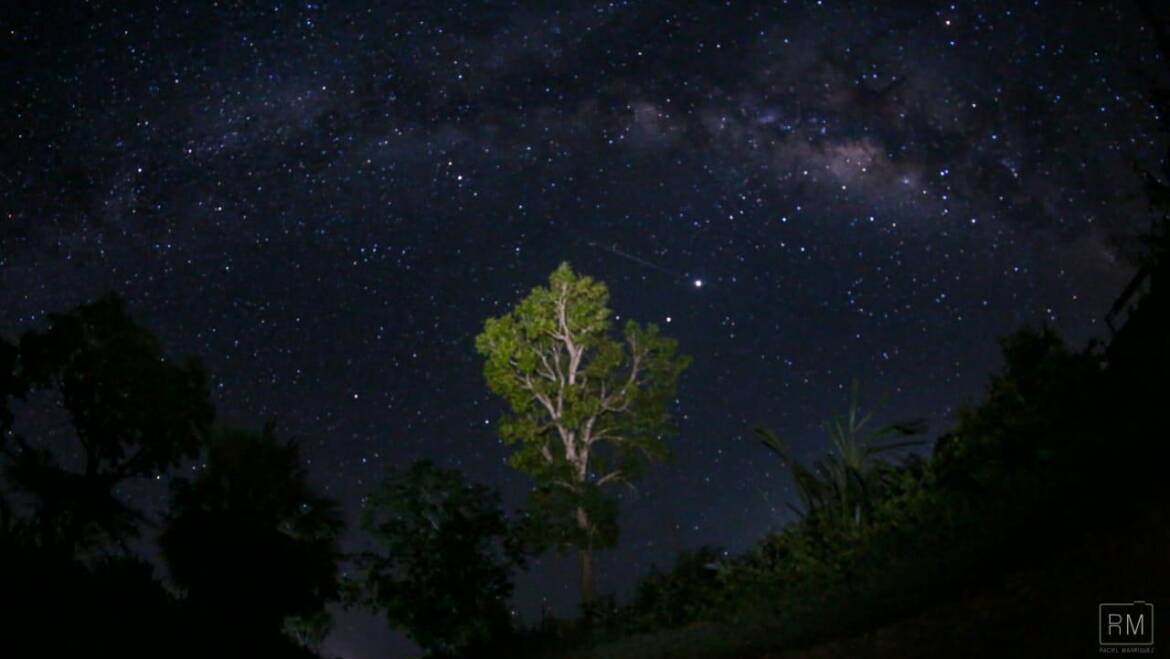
(248, 539)
(134, 413)
(447, 553)
(586, 408)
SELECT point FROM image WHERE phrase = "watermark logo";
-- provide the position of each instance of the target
(1125, 627)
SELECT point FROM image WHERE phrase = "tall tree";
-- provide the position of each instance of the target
(444, 576)
(587, 408)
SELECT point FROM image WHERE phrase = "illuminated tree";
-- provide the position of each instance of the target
(587, 408)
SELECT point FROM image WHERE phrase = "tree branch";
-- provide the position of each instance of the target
(575, 351)
(620, 400)
(613, 475)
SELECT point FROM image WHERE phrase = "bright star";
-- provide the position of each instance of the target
(698, 283)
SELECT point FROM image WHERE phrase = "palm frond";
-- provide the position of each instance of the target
(846, 481)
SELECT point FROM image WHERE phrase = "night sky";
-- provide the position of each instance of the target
(324, 201)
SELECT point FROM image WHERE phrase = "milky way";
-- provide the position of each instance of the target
(324, 201)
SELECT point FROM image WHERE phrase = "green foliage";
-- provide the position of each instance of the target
(550, 518)
(554, 361)
(920, 527)
(845, 483)
(309, 631)
(685, 594)
(443, 575)
(1004, 488)
(586, 408)
(1045, 401)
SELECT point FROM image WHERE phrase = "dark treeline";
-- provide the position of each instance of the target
(1047, 497)
(249, 547)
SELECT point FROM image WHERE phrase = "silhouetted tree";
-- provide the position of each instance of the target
(248, 540)
(448, 551)
(1045, 399)
(10, 385)
(587, 408)
(1139, 352)
(69, 585)
(134, 413)
(681, 595)
(114, 607)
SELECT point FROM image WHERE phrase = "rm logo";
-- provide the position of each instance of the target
(1125, 624)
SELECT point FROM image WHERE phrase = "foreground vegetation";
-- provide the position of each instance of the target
(1045, 499)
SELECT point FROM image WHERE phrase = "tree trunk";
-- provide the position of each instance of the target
(586, 575)
(586, 555)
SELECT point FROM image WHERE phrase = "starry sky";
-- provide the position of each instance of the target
(324, 200)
